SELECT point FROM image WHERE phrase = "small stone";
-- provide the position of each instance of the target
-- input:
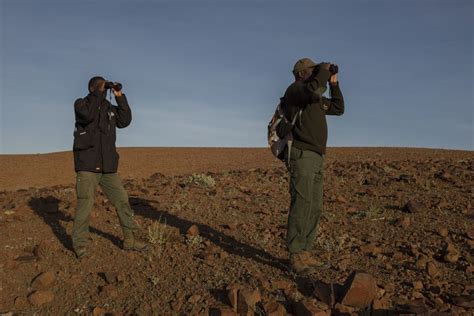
(413, 206)
(451, 253)
(404, 222)
(341, 199)
(421, 263)
(383, 303)
(247, 300)
(432, 269)
(44, 280)
(193, 231)
(274, 309)
(352, 210)
(98, 311)
(465, 301)
(193, 299)
(21, 302)
(39, 298)
(111, 277)
(233, 294)
(343, 309)
(443, 232)
(371, 250)
(417, 285)
(281, 284)
(109, 291)
(359, 290)
(451, 257)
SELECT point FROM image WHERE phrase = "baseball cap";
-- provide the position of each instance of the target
(302, 64)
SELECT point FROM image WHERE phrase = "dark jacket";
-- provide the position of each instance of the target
(310, 131)
(94, 135)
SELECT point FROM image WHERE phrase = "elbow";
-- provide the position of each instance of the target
(123, 124)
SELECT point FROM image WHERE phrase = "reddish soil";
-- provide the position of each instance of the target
(402, 215)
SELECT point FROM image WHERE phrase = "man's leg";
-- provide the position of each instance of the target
(115, 192)
(86, 184)
(316, 203)
(302, 171)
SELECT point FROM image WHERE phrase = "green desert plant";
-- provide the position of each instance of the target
(157, 233)
(201, 180)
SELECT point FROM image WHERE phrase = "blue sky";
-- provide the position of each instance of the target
(209, 73)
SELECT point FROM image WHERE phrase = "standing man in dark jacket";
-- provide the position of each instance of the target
(307, 154)
(96, 161)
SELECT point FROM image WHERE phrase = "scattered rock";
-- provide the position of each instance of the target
(109, 291)
(110, 277)
(233, 294)
(341, 199)
(443, 232)
(98, 311)
(451, 254)
(413, 206)
(359, 290)
(352, 210)
(44, 280)
(308, 308)
(383, 303)
(417, 285)
(247, 301)
(404, 222)
(465, 301)
(193, 231)
(21, 302)
(371, 250)
(282, 284)
(421, 263)
(432, 270)
(193, 299)
(341, 309)
(274, 309)
(39, 298)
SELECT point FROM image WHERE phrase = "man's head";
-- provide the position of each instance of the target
(303, 69)
(96, 83)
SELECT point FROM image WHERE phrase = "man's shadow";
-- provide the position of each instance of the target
(143, 207)
(48, 209)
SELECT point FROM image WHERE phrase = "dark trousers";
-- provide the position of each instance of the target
(86, 186)
(306, 188)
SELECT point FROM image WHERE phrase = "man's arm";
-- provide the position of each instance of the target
(124, 113)
(316, 85)
(310, 90)
(335, 105)
(87, 110)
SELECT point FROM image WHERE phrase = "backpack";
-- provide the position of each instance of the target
(279, 145)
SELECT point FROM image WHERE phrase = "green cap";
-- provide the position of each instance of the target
(303, 64)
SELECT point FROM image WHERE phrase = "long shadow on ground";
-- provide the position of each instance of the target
(48, 209)
(143, 207)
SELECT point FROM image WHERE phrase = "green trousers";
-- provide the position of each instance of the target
(306, 189)
(86, 186)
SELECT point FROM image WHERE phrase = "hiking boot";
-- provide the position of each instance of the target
(131, 243)
(303, 262)
(311, 261)
(81, 252)
(298, 263)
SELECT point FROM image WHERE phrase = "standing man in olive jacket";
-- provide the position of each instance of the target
(96, 161)
(307, 154)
